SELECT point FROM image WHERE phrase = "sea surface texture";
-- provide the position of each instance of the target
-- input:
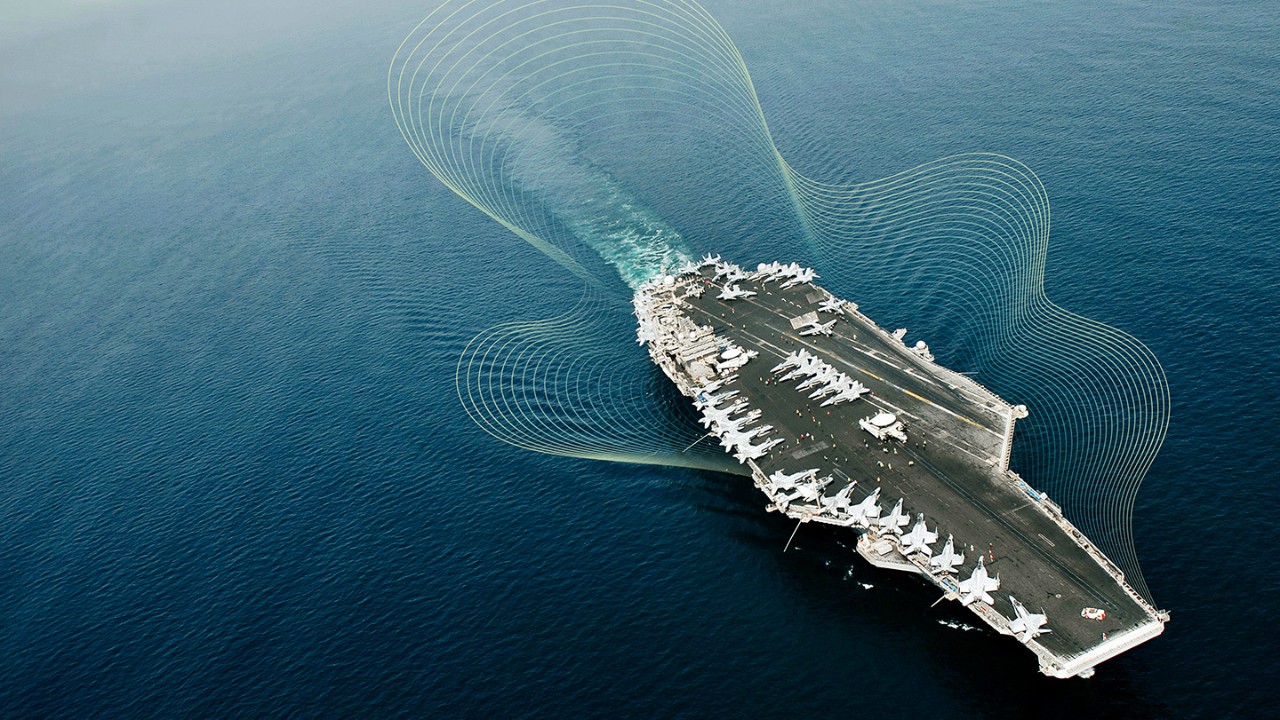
(238, 479)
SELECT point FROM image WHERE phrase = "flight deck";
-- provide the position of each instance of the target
(839, 422)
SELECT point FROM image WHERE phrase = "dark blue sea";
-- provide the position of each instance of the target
(236, 479)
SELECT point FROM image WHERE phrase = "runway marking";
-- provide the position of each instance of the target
(880, 401)
(869, 353)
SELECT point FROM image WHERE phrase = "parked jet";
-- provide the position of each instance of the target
(709, 259)
(721, 425)
(733, 292)
(894, 521)
(867, 510)
(771, 271)
(848, 393)
(783, 501)
(804, 275)
(833, 305)
(836, 382)
(711, 413)
(825, 390)
(1026, 626)
(723, 269)
(979, 585)
(809, 367)
(793, 360)
(838, 503)
(747, 451)
(817, 328)
(812, 491)
(822, 377)
(948, 560)
(730, 440)
(722, 417)
(770, 445)
(731, 436)
(919, 539)
(713, 386)
(782, 481)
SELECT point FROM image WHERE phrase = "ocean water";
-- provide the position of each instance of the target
(237, 480)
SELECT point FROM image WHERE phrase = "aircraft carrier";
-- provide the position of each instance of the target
(840, 422)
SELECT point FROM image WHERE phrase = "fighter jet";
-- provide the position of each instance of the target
(804, 275)
(782, 501)
(712, 386)
(782, 481)
(919, 539)
(847, 393)
(793, 360)
(822, 377)
(765, 272)
(790, 361)
(722, 425)
(712, 415)
(867, 510)
(770, 445)
(948, 560)
(726, 396)
(733, 292)
(833, 304)
(894, 521)
(808, 367)
(834, 382)
(838, 503)
(1026, 626)
(709, 259)
(705, 400)
(817, 328)
(979, 585)
(721, 416)
(825, 390)
(731, 439)
(812, 491)
(747, 451)
(731, 272)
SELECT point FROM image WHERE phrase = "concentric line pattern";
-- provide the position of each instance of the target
(531, 109)
(571, 386)
(978, 227)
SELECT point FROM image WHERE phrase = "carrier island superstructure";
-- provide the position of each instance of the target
(840, 422)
